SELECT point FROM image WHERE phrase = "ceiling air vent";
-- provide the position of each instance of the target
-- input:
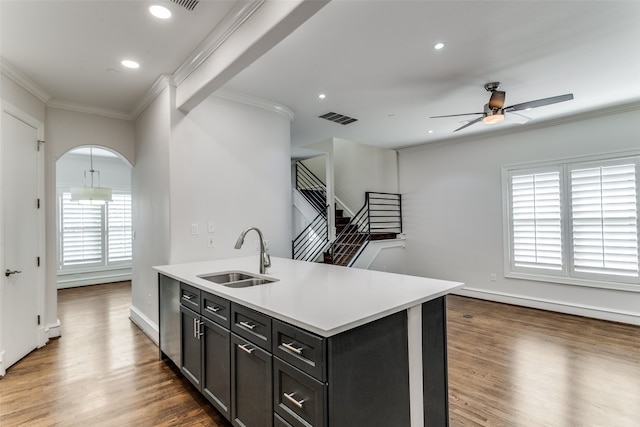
(338, 118)
(187, 4)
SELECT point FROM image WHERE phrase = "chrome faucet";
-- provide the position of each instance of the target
(265, 259)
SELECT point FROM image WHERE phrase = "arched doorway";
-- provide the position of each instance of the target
(94, 241)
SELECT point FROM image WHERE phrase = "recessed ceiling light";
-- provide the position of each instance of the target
(130, 64)
(160, 12)
(438, 46)
(322, 96)
(430, 131)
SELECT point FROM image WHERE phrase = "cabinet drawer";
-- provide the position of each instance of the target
(300, 348)
(216, 309)
(298, 398)
(190, 297)
(279, 422)
(251, 325)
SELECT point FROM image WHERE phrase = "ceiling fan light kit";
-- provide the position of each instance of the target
(493, 119)
(494, 111)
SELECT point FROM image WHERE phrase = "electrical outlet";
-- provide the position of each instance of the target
(211, 243)
(194, 229)
(211, 228)
(493, 277)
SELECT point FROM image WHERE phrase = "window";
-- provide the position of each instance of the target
(94, 236)
(574, 222)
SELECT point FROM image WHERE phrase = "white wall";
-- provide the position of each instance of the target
(360, 168)
(452, 206)
(230, 164)
(224, 162)
(151, 209)
(11, 92)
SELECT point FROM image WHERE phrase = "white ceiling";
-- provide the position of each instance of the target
(68, 47)
(374, 59)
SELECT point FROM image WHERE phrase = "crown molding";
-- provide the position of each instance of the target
(156, 89)
(254, 101)
(80, 108)
(23, 81)
(541, 124)
(229, 24)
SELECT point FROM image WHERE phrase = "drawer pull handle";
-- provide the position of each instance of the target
(187, 297)
(291, 399)
(214, 309)
(289, 346)
(248, 325)
(245, 348)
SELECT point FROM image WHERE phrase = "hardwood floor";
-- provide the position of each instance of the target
(513, 366)
(103, 371)
(508, 366)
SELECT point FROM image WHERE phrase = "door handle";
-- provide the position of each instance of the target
(8, 272)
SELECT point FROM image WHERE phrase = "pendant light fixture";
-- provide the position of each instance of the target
(91, 194)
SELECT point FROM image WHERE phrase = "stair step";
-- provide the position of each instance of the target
(383, 236)
(342, 220)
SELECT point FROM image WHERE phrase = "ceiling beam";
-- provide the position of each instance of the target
(267, 25)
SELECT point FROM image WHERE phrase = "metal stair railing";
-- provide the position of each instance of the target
(385, 212)
(381, 214)
(311, 187)
(313, 240)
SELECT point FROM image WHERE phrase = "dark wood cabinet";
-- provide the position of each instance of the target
(205, 347)
(191, 347)
(259, 371)
(216, 367)
(251, 384)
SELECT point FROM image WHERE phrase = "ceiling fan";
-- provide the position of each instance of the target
(494, 110)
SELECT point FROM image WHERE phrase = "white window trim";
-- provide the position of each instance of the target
(562, 276)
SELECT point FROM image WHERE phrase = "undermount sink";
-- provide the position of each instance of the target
(237, 279)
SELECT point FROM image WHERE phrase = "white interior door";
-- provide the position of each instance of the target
(20, 231)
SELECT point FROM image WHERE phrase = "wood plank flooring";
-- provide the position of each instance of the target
(513, 366)
(508, 366)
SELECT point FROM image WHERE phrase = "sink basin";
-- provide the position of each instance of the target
(237, 279)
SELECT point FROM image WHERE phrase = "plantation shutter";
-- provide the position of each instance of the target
(119, 228)
(81, 233)
(536, 220)
(604, 219)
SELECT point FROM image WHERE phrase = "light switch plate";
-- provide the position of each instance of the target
(194, 229)
(211, 227)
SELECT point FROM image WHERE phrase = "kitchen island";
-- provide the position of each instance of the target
(337, 346)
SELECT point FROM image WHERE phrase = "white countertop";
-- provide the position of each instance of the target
(324, 299)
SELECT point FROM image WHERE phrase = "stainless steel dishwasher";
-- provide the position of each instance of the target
(169, 294)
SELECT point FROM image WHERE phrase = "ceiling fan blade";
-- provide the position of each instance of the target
(517, 118)
(453, 115)
(540, 102)
(497, 99)
(469, 124)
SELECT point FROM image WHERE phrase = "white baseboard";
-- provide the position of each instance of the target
(551, 305)
(53, 330)
(86, 279)
(147, 326)
(3, 371)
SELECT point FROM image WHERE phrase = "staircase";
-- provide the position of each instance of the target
(341, 222)
(380, 218)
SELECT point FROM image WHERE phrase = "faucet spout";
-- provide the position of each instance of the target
(265, 259)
